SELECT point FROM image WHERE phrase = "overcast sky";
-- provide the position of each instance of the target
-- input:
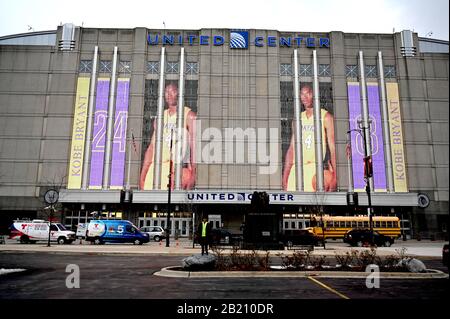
(361, 16)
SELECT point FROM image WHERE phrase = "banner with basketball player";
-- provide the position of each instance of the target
(155, 172)
(308, 142)
(375, 135)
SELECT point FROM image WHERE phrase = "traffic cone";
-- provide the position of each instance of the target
(160, 242)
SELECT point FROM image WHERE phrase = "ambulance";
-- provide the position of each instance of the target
(29, 232)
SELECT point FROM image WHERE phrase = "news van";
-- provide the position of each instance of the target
(115, 231)
(29, 232)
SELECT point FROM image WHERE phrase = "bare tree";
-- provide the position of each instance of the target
(316, 208)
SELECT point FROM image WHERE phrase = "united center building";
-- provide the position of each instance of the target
(111, 117)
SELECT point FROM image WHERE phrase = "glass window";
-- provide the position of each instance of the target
(389, 225)
(371, 71)
(105, 67)
(383, 224)
(172, 67)
(85, 66)
(286, 69)
(153, 67)
(353, 224)
(61, 227)
(306, 70)
(125, 67)
(191, 68)
(293, 225)
(389, 71)
(53, 227)
(286, 225)
(377, 224)
(365, 224)
(324, 70)
(307, 224)
(351, 71)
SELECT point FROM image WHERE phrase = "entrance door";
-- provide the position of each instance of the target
(216, 221)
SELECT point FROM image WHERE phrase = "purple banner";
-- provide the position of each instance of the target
(120, 131)
(354, 110)
(376, 138)
(98, 139)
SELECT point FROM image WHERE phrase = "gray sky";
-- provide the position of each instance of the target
(375, 16)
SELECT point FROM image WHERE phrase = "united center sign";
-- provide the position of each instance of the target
(239, 40)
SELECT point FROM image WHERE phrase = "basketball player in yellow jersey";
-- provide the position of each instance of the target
(188, 147)
(308, 148)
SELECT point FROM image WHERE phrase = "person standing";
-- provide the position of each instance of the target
(204, 234)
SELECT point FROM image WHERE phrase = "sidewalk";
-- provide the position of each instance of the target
(184, 247)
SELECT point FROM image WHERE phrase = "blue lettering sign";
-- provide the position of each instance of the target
(191, 39)
(324, 42)
(204, 40)
(290, 197)
(230, 196)
(310, 42)
(150, 41)
(272, 41)
(285, 42)
(218, 40)
(239, 40)
(167, 39)
(258, 41)
(222, 196)
(298, 40)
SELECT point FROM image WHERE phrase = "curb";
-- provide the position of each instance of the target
(168, 272)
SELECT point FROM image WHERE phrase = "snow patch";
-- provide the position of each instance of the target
(4, 271)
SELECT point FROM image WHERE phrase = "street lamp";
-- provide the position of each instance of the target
(51, 197)
(367, 174)
(169, 186)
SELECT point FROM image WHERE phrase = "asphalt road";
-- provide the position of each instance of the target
(120, 276)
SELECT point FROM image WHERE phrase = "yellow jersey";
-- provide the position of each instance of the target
(169, 123)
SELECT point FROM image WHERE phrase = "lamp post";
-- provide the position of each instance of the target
(50, 197)
(169, 187)
(367, 175)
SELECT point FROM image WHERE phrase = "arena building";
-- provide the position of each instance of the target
(109, 118)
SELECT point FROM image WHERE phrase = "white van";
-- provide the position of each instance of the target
(27, 231)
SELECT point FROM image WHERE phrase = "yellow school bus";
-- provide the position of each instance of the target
(338, 226)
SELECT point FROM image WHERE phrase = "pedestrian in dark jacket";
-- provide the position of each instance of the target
(204, 234)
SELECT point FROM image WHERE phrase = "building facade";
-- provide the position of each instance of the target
(111, 117)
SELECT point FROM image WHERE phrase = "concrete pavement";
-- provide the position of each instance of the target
(184, 246)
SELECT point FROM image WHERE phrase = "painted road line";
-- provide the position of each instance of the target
(327, 288)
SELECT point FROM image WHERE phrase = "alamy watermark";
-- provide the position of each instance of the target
(373, 279)
(232, 146)
(73, 279)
